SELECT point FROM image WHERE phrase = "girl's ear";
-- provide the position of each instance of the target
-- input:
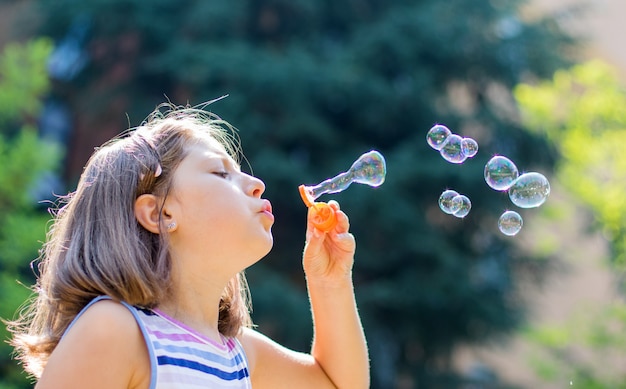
(147, 212)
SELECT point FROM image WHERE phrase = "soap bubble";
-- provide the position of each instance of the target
(469, 147)
(510, 223)
(452, 150)
(464, 207)
(370, 169)
(449, 202)
(437, 136)
(529, 190)
(500, 173)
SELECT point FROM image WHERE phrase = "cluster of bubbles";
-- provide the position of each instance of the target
(528, 190)
(452, 147)
(453, 203)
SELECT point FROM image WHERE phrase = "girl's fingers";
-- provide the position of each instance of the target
(334, 205)
(314, 243)
(343, 223)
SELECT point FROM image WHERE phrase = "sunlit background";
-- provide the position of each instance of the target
(446, 302)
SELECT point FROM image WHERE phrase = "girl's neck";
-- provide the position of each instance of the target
(194, 305)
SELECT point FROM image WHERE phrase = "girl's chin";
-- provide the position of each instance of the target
(264, 252)
(271, 244)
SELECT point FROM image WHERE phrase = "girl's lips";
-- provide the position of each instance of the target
(267, 206)
(266, 210)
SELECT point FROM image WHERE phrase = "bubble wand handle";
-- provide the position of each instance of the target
(323, 217)
(370, 169)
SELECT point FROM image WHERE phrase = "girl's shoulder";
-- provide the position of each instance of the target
(108, 316)
(104, 347)
(104, 320)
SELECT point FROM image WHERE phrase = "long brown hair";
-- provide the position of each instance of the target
(95, 245)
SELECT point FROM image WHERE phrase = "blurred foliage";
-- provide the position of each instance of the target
(23, 79)
(312, 85)
(587, 350)
(581, 111)
(23, 158)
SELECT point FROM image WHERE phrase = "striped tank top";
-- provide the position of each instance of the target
(182, 358)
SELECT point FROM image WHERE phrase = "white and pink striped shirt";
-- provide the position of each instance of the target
(183, 358)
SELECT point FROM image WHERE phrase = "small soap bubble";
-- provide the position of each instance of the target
(500, 173)
(449, 201)
(437, 136)
(510, 223)
(452, 150)
(469, 147)
(465, 206)
(530, 190)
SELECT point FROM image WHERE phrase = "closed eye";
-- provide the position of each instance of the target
(222, 174)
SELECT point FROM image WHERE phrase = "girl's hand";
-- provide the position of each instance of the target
(328, 257)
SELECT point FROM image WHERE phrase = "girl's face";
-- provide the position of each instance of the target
(218, 210)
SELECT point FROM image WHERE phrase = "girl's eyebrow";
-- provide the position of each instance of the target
(225, 159)
(229, 161)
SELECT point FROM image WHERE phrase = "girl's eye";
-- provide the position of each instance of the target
(221, 174)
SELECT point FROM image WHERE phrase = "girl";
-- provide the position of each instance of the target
(141, 279)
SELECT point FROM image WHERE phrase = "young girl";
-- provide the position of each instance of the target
(141, 280)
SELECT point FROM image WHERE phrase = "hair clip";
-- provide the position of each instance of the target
(157, 172)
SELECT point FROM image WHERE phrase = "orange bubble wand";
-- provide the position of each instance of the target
(369, 169)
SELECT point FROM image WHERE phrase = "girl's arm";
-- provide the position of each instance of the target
(103, 349)
(339, 356)
(339, 342)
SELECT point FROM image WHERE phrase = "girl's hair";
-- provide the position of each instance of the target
(96, 246)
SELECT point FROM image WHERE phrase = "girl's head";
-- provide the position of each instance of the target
(96, 246)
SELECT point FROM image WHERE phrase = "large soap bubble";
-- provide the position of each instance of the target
(529, 190)
(370, 169)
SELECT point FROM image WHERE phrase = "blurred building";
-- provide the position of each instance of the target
(600, 21)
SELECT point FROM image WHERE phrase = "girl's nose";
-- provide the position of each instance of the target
(256, 187)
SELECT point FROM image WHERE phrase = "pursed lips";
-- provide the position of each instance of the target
(267, 207)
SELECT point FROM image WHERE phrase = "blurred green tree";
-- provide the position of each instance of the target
(24, 157)
(581, 111)
(314, 84)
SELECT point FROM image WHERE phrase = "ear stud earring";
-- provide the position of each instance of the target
(171, 226)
